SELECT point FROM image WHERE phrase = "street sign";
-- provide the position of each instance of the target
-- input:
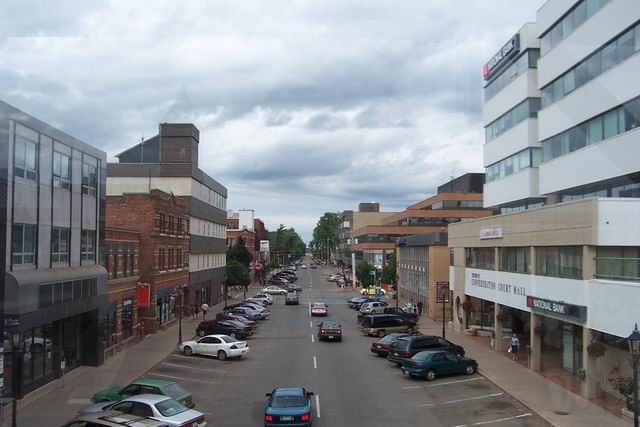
(442, 292)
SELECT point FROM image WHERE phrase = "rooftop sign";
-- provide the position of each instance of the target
(499, 59)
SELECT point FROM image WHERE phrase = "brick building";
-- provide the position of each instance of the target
(249, 240)
(163, 264)
(120, 318)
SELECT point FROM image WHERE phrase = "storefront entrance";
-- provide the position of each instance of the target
(561, 346)
(571, 347)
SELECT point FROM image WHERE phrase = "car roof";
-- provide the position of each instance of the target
(153, 382)
(288, 391)
(319, 303)
(146, 398)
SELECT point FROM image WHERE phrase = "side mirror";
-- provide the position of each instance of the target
(268, 394)
(310, 393)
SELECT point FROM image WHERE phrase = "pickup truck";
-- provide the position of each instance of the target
(411, 317)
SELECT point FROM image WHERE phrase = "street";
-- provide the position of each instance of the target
(353, 387)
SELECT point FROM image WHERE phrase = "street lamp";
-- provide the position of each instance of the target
(16, 378)
(180, 288)
(634, 348)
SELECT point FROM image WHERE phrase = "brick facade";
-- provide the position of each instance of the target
(121, 327)
(163, 263)
(248, 236)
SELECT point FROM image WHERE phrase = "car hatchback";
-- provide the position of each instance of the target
(288, 406)
(292, 299)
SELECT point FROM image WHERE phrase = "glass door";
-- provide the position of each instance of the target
(567, 347)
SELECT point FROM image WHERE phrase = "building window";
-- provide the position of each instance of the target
(526, 109)
(127, 318)
(526, 158)
(23, 243)
(483, 258)
(88, 245)
(25, 158)
(618, 263)
(179, 258)
(559, 261)
(162, 223)
(515, 260)
(161, 259)
(527, 60)
(114, 261)
(132, 264)
(89, 180)
(59, 245)
(125, 260)
(61, 171)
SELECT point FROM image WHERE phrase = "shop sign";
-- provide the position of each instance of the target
(558, 307)
(127, 302)
(264, 246)
(491, 233)
(144, 295)
(501, 288)
(11, 320)
(442, 292)
(499, 59)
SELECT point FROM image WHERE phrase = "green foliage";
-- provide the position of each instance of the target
(288, 243)
(389, 270)
(236, 274)
(363, 273)
(326, 232)
(240, 253)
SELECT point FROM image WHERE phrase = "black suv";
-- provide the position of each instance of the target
(407, 347)
(224, 327)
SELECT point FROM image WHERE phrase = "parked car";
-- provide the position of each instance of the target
(430, 364)
(262, 297)
(382, 346)
(357, 302)
(288, 406)
(303, 266)
(412, 317)
(274, 290)
(313, 266)
(292, 288)
(161, 408)
(249, 313)
(373, 307)
(228, 316)
(142, 386)
(407, 347)
(255, 306)
(277, 280)
(292, 299)
(329, 330)
(383, 324)
(113, 419)
(332, 277)
(224, 327)
(221, 346)
(373, 291)
(319, 309)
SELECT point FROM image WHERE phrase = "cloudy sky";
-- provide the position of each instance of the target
(303, 106)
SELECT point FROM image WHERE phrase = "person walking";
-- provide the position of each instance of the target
(204, 308)
(196, 310)
(515, 345)
(420, 305)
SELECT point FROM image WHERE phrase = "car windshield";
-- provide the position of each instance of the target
(228, 339)
(319, 305)
(175, 391)
(288, 401)
(401, 344)
(390, 338)
(170, 407)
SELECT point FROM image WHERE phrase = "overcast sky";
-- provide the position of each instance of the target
(303, 106)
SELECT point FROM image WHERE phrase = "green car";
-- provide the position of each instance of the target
(145, 386)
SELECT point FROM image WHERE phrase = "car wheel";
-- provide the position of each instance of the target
(222, 355)
(188, 351)
(381, 333)
(399, 365)
(430, 375)
(470, 370)
(201, 333)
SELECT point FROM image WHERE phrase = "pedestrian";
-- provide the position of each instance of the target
(196, 310)
(515, 345)
(420, 308)
(205, 308)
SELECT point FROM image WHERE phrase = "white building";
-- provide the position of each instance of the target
(561, 271)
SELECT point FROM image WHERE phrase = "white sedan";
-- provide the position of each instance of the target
(262, 298)
(274, 290)
(303, 266)
(220, 346)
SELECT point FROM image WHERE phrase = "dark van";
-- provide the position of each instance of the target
(383, 324)
(407, 347)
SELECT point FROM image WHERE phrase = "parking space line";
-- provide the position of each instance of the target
(315, 363)
(317, 406)
(183, 378)
(463, 400)
(193, 367)
(455, 382)
(411, 387)
(482, 423)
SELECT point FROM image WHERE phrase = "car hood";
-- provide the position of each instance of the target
(108, 393)
(96, 407)
(298, 410)
(188, 343)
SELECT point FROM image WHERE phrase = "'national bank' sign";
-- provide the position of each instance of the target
(557, 307)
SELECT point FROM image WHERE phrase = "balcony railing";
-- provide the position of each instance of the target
(627, 269)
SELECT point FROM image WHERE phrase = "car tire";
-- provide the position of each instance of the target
(188, 351)
(430, 375)
(222, 355)
(201, 333)
(470, 370)
(381, 333)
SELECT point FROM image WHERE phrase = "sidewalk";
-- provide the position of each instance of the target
(557, 405)
(60, 400)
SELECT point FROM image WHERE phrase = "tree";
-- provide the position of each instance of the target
(363, 273)
(327, 231)
(288, 243)
(236, 275)
(240, 253)
(389, 270)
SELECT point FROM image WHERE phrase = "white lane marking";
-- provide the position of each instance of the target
(463, 400)
(312, 338)
(182, 378)
(309, 309)
(315, 363)
(77, 401)
(317, 406)
(193, 367)
(455, 382)
(411, 387)
(481, 423)
(311, 323)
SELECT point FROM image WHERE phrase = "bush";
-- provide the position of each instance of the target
(624, 386)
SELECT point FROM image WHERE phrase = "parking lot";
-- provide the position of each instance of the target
(353, 387)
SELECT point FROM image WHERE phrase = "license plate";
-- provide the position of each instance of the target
(395, 354)
(286, 418)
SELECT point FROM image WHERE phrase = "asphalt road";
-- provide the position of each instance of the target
(353, 387)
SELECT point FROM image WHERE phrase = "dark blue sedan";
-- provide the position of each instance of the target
(288, 406)
(429, 364)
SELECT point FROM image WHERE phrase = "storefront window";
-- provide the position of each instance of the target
(127, 318)
(109, 328)
(559, 261)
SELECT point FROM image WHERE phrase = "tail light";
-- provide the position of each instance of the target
(323, 331)
(268, 418)
(407, 354)
(233, 347)
(305, 417)
(339, 331)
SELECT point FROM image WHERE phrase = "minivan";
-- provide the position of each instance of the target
(407, 347)
(383, 324)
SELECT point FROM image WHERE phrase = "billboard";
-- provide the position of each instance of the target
(264, 246)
